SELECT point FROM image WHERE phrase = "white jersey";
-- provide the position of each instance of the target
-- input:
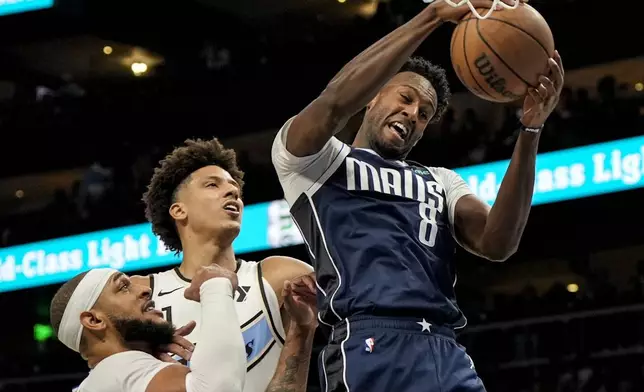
(129, 371)
(257, 309)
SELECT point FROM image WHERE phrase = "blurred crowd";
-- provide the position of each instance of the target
(108, 194)
(577, 121)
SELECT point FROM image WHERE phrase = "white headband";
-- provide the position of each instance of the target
(83, 299)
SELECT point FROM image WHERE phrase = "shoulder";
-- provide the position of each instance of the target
(285, 265)
(129, 358)
(136, 370)
(103, 377)
(453, 184)
(279, 269)
(298, 174)
(444, 175)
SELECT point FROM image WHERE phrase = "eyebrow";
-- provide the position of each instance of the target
(231, 181)
(117, 276)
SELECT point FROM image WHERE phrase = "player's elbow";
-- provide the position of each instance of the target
(498, 252)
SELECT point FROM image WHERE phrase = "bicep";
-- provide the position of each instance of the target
(279, 269)
(469, 222)
(169, 379)
(467, 213)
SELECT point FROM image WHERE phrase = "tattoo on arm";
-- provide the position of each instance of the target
(293, 369)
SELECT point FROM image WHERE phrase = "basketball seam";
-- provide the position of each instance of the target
(467, 63)
(478, 31)
(521, 29)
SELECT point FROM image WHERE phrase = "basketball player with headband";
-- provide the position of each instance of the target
(112, 323)
(382, 230)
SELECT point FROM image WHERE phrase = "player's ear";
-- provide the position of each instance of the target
(178, 211)
(93, 320)
(373, 102)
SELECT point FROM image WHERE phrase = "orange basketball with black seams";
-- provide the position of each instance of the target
(500, 57)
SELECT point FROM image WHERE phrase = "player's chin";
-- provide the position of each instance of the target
(231, 216)
(232, 225)
(391, 149)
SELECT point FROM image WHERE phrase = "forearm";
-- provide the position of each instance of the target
(509, 214)
(219, 361)
(359, 81)
(293, 369)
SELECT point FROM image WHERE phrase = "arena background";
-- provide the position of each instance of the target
(92, 94)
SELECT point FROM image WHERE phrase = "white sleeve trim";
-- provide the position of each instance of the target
(455, 188)
(305, 174)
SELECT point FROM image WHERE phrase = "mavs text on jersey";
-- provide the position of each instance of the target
(381, 236)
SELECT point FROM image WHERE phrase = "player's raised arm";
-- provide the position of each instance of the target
(293, 367)
(359, 81)
(496, 234)
(213, 287)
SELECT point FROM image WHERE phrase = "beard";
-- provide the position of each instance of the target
(374, 122)
(135, 332)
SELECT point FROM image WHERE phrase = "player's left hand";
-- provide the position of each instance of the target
(541, 101)
(180, 346)
(300, 301)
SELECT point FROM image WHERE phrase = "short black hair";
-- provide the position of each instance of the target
(172, 171)
(437, 77)
(61, 299)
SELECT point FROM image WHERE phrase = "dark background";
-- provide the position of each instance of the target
(81, 134)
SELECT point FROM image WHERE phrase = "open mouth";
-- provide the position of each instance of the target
(400, 129)
(149, 308)
(231, 206)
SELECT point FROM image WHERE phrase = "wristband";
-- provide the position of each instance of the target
(531, 129)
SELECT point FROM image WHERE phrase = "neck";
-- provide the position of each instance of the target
(200, 254)
(103, 350)
(361, 140)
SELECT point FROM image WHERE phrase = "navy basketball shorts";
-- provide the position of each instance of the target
(374, 354)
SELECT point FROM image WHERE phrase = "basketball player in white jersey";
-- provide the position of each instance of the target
(195, 207)
(111, 321)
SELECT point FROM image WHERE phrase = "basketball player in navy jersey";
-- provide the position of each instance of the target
(195, 206)
(382, 231)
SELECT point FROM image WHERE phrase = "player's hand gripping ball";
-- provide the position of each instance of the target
(206, 273)
(542, 101)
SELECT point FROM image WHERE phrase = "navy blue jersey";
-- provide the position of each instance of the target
(380, 232)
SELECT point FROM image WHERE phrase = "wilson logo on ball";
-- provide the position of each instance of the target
(492, 79)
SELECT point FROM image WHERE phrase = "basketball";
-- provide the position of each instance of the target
(500, 57)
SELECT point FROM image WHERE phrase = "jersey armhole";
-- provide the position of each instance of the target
(267, 307)
(452, 214)
(450, 207)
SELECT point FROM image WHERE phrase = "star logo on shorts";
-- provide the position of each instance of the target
(425, 325)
